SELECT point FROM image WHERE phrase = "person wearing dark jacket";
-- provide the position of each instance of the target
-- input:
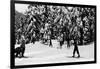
(49, 38)
(75, 49)
(75, 38)
(22, 46)
(61, 40)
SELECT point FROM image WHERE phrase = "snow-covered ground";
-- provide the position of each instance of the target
(42, 54)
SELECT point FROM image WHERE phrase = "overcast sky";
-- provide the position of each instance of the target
(21, 7)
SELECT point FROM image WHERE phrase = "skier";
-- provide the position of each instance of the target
(76, 36)
(23, 46)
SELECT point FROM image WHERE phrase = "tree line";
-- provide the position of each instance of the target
(62, 19)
